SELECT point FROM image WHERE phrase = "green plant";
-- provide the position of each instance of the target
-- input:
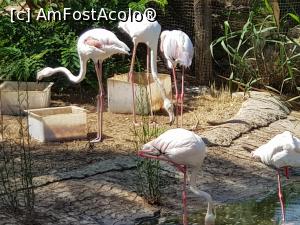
(148, 170)
(16, 180)
(294, 17)
(142, 4)
(260, 56)
(27, 47)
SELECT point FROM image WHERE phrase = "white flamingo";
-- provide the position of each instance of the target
(282, 151)
(98, 45)
(183, 149)
(178, 50)
(146, 32)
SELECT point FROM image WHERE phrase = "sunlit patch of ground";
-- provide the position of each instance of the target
(118, 131)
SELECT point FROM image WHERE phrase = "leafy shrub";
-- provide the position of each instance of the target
(25, 48)
(259, 55)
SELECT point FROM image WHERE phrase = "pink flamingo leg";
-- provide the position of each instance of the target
(182, 96)
(181, 168)
(184, 201)
(176, 94)
(148, 80)
(131, 78)
(100, 99)
(280, 197)
(286, 169)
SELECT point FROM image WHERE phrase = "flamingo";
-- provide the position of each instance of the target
(146, 32)
(282, 151)
(98, 45)
(178, 49)
(183, 149)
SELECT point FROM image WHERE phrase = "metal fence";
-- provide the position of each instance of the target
(180, 15)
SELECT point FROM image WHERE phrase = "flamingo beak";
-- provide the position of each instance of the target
(171, 116)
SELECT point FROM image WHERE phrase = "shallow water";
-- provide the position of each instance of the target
(263, 212)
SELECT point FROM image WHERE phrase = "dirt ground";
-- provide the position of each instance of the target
(118, 131)
(80, 183)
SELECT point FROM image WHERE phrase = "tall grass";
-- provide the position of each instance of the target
(259, 55)
(16, 187)
(148, 170)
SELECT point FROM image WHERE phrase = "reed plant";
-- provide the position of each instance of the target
(261, 56)
(16, 179)
(149, 181)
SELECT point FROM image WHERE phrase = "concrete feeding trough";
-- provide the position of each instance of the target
(120, 94)
(58, 123)
(18, 96)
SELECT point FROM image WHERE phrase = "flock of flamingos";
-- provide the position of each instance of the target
(182, 148)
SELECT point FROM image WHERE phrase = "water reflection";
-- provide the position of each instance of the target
(265, 212)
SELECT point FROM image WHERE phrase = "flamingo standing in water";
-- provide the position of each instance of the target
(183, 149)
(282, 151)
(146, 32)
(98, 45)
(178, 49)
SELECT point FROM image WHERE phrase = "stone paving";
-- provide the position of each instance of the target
(105, 192)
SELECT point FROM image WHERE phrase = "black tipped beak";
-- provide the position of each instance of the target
(172, 119)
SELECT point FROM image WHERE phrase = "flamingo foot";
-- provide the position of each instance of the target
(137, 124)
(153, 121)
(96, 140)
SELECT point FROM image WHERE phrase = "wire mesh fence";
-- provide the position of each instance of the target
(181, 15)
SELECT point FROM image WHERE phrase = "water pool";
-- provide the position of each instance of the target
(263, 212)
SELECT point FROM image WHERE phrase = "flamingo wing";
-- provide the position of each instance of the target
(180, 146)
(177, 48)
(286, 158)
(185, 49)
(104, 41)
(279, 146)
(93, 42)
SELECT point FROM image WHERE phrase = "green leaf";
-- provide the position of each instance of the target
(247, 51)
(283, 82)
(294, 17)
(245, 30)
(272, 89)
(268, 6)
(294, 99)
(226, 49)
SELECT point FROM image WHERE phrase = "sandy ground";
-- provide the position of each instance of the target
(118, 132)
(80, 183)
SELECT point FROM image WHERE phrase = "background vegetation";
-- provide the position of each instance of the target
(27, 47)
(263, 53)
(258, 54)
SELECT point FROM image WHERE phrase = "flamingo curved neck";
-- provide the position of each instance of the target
(71, 77)
(208, 198)
(154, 72)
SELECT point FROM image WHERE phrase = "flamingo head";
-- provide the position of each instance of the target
(256, 155)
(210, 218)
(123, 26)
(168, 106)
(149, 150)
(162, 38)
(46, 72)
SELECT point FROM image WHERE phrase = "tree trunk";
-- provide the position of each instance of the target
(203, 36)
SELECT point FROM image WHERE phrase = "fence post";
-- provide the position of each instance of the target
(203, 36)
